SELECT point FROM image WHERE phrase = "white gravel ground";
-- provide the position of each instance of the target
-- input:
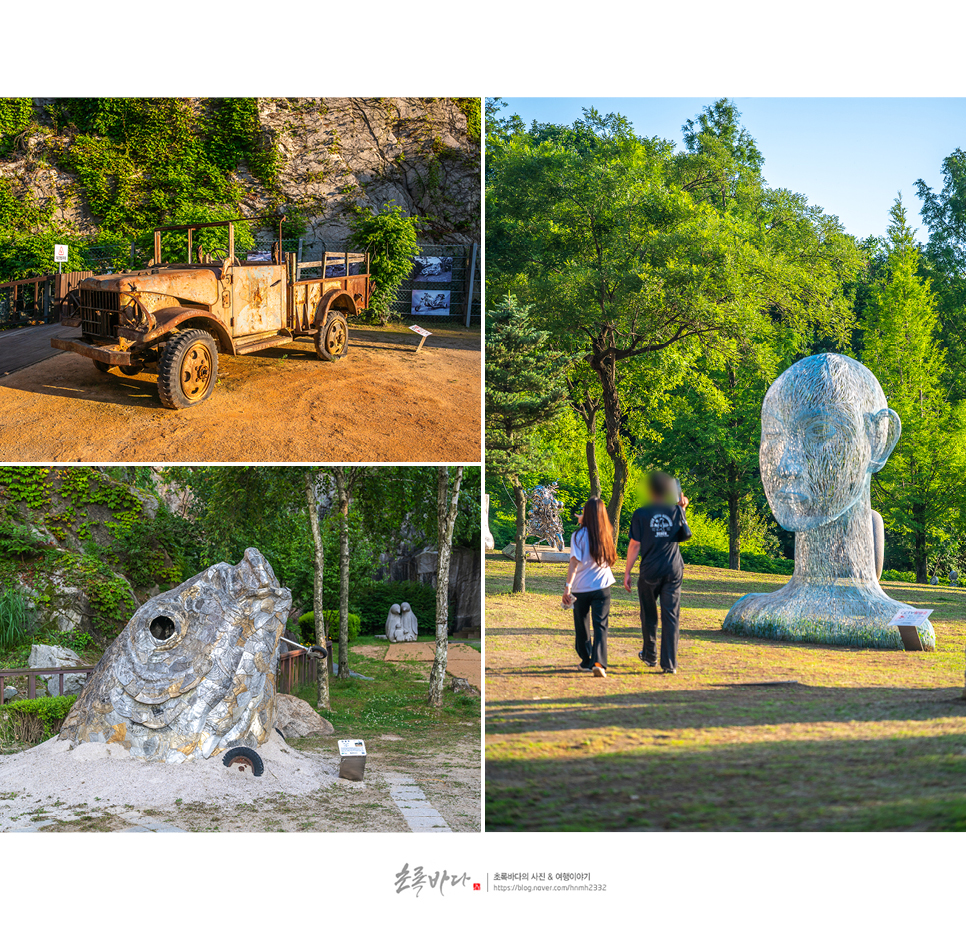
(107, 774)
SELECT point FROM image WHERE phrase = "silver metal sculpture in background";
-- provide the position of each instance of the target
(543, 520)
(193, 672)
(825, 430)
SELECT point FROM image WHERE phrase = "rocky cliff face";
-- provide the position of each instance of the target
(334, 154)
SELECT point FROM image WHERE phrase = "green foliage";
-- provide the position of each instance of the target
(16, 619)
(389, 236)
(718, 558)
(17, 540)
(28, 485)
(374, 602)
(470, 106)
(38, 719)
(919, 491)
(630, 249)
(139, 163)
(15, 114)
(78, 640)
(307, 625)
(524, 386)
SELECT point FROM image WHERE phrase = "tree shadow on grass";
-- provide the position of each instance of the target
(906, 783)
(731, 706)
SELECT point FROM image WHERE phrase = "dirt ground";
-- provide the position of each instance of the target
(750, 734)
(382, 402)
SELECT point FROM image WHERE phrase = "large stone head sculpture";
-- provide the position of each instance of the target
(826, 428)
(193, 672)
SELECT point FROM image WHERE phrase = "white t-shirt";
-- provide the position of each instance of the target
(590, 576)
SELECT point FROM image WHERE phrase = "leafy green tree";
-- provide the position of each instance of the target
(524, 390)
(920, 489)
(632, 251)
(944, 213)
(389, 236)
(714, 439)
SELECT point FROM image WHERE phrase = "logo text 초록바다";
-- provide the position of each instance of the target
(417, 879)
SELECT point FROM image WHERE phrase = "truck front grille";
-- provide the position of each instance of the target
(99, 312)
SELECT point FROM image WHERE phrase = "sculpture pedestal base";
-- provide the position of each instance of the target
(538, 553)
(766, 616)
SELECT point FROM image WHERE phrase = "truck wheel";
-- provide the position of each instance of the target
(132, 371)
(188, 370)
(332, 339)
(104, 368)
(243, 758)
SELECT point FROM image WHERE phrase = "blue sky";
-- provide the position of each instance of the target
(851, 156)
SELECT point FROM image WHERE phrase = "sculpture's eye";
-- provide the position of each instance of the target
(162, 628)
(819, 432)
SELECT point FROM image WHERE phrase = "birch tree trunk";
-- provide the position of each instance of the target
(446, 504)
(322, 679)
(342, 490)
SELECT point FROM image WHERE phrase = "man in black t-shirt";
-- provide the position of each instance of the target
(656, 530)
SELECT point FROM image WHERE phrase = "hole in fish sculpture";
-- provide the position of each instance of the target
(162, 627)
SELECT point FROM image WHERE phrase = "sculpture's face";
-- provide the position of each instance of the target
(815, 453)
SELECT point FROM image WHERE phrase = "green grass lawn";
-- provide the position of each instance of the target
(394, 702)
(849, 739)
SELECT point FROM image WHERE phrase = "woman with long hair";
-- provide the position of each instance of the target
(587, 590)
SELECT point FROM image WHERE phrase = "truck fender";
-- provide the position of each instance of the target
(167, 320)
(337, 300)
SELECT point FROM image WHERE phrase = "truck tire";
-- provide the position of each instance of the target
(244, 758)
(332, 339)
(104, 368)
(188, 370)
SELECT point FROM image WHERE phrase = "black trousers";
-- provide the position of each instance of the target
(667, 589)
(591, 613)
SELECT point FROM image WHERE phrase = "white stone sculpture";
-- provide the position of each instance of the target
(395, 632)
(488, 541)
(825, 430)
(410, 627)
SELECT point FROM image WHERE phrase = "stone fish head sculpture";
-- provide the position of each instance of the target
(826, 428)
(193, 672)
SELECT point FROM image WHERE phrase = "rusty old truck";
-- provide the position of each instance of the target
(180, 316)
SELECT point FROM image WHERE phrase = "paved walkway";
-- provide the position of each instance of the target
(462, 661)
(415, 807)
(23, 347)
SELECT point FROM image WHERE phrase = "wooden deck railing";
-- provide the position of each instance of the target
(32, 677)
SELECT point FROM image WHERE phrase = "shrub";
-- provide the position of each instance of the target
(389, 236)
(15, 619)
(718, 558)
(17, 541)
(307, 625)
(373, 604)
(38, 719)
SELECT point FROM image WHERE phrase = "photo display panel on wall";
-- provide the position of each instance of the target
(440, 286)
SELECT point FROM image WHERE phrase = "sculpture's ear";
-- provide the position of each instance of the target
(885, 427)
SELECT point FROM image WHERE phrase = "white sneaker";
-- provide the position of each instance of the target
(599, 671)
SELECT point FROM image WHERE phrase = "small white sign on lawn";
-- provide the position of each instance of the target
(352, 748)
(910, 617)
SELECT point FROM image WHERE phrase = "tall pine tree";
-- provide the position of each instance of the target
(525, 388)
(920, 489)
